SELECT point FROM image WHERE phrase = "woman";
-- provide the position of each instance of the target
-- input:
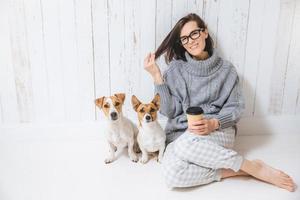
(197, 76)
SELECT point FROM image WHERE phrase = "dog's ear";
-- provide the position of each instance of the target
(156, 101)
(99, 102)
(135, 102)
(120, 96)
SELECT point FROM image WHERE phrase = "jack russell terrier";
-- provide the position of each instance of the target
(151, 137)
(121, 132)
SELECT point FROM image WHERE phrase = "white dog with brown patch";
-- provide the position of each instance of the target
(151, 137)
(121, 132)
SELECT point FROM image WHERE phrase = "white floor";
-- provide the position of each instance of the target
(59, 164)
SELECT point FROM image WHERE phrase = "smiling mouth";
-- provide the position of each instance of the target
(194, 46)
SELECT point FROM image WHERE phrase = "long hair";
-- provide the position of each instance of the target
(171, 44)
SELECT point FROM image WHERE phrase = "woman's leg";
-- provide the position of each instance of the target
(179, 173)
(204, 152)
(226, 173)
(264, 172)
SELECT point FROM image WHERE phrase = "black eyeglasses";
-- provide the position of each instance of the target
(193, 35)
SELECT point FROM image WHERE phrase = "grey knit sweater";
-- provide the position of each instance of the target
(212, 84)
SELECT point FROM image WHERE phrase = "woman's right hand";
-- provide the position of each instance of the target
(151, 67)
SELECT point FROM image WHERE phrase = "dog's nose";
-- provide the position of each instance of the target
(113, 115)
(148, 117)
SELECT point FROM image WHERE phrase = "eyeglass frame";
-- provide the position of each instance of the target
(189, 36)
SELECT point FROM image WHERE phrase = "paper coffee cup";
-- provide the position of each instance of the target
(194, 114)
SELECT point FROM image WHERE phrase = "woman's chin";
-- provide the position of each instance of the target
(196, 53)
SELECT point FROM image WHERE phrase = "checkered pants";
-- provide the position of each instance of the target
(196, 160)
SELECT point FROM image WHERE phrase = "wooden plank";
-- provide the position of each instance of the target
(232, 32)
(20, 59)
(287, 9)
(117, 46)
(179, 10)
(101, 49)
(210, 15)
(266, 62)
(52, 38)
(132, 21)
(195, 6)
(36, 52)
(8, 97)
(163, 25)
(69, 60)
(85, 60)
(253, 53)
(147, 44)
(292, 80)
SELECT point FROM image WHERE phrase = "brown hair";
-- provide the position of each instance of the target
(171, 44)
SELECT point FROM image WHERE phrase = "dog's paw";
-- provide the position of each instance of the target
(144, 160)
(134, 158)
(159, 160)
(108, 160)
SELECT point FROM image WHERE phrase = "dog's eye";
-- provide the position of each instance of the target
(142, 110)
(117, 104)
(152, 110)
(106, 106)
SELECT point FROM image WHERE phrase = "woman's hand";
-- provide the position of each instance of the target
(204, 126)
(151, 67)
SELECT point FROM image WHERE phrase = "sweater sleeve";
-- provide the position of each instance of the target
(170, 104)
(233, 108)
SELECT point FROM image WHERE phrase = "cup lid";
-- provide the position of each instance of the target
(194, 110)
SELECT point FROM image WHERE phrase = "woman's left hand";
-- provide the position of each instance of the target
(204, 126)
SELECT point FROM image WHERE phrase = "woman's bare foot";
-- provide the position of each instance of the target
(264, 172)
(226, 173)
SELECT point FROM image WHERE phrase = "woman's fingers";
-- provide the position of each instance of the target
(198, 123)
(198, 132)
(146, 60)
(197, 128)
(149, 59)
(152, 57)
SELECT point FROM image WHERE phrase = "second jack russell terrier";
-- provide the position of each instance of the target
(151, 137)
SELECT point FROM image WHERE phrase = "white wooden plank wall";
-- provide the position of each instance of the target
(57, 56)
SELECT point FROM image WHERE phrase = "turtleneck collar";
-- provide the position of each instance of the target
(202, 67)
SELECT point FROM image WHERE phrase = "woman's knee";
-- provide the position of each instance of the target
(184, 174)
(172, 168)
(172, 173)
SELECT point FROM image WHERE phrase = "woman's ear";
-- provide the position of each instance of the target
(206, 33)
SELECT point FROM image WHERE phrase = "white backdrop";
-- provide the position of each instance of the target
(57, 56)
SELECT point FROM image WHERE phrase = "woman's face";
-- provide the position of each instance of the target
(193, 38)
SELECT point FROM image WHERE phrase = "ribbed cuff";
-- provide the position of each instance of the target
(218, 175)
(237, 164)
(225, 121)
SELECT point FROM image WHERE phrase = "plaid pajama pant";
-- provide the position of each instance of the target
(193, 160)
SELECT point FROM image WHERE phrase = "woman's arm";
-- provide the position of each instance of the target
(170, 104)
(233, 108)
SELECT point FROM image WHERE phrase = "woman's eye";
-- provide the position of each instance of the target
(183, 39)
(117, 104)
(195, 34)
